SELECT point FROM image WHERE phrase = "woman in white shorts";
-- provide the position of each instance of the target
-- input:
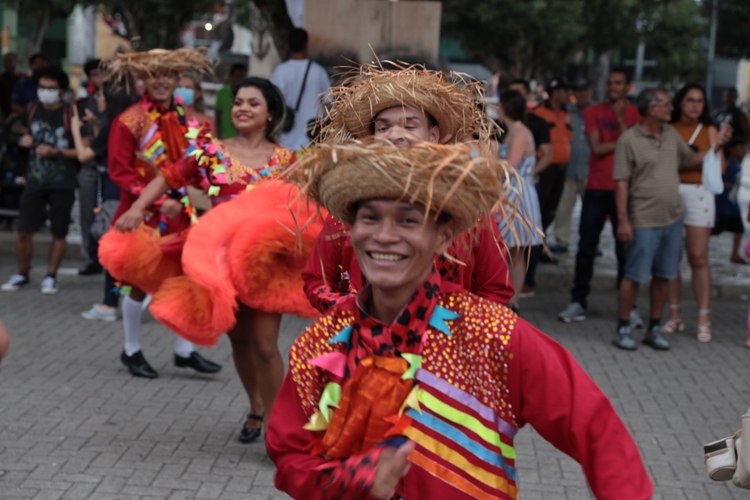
(693, 122)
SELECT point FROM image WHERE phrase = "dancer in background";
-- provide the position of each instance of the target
(243, 259)
(406, 105)
(143, 141)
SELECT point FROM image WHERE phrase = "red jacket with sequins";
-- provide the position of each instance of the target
(492, 369)
(332, 271)
(129, 172)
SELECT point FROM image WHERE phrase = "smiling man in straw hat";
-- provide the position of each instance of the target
(414, 370)
(406, 105)
(142, 141)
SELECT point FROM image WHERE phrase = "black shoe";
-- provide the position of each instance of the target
(197, 363)
(90, 269)
(138, 365)
(250, 435)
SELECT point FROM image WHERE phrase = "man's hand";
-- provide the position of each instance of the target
(46, 151)
(171, 208)
(129, 220)
(392, 466)
(624, 230)
(725, 134)
(26, 141)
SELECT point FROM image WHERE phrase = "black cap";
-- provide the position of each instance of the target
(557, 83)
(581, 84)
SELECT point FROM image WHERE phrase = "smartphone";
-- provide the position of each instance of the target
(81, 107)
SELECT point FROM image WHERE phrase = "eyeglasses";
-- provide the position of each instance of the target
(48, 88)
(667, 104)
(695, 101)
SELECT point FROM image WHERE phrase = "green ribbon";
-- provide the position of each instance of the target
(330, 397)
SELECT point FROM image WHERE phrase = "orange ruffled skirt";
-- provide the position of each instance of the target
(250, 250)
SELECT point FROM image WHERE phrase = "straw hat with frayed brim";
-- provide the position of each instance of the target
(453, 179)
(152, 62)
(451, 98)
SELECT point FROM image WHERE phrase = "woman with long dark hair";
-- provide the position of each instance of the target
(243, 259)
(692, 120)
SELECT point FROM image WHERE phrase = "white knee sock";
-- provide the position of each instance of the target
(183, 348)
(131, 322)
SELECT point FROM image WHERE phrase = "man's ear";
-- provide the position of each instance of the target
(446, 233)
(434, 134)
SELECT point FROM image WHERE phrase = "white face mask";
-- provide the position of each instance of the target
(48, 96)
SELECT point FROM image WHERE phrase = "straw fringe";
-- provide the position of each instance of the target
(443, 178)
(154, 61)
(453, 99)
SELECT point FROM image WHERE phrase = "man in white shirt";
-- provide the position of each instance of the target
(289, 76)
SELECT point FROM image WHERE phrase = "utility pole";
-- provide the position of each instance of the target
(712, 49)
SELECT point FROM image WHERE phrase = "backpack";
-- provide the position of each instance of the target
(67, 115)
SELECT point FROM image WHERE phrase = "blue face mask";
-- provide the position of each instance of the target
(187, 95)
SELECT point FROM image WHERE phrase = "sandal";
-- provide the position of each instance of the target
(704, 331)
(250, 435)
(674, 325)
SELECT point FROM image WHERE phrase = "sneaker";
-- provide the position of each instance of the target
(49, 285)
(654, 338)
(15, 283)
(624, 339)
(574, 312)
(96, 313)
(526, 292)
(635, 319)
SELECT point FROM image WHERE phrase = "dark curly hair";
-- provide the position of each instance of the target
(705, 117)
(274, 101)
(55, 73)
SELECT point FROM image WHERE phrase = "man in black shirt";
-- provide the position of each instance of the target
(734, 116)
(540, 130)
(50, 178)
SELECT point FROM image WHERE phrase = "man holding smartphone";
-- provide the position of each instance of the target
(50, 178)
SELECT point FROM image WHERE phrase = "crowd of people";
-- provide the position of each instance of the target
(654, 198)
(411, 231)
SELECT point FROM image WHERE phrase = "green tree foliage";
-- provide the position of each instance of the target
(733, 36)
(537, 37)
(42, 12)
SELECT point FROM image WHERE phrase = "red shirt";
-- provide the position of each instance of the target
(332, 270)
(497, 378)
(601, 117)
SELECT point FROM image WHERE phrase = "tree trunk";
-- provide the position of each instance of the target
(279, 23)
(34, 43)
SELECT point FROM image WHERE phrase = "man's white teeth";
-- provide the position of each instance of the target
(386, 256)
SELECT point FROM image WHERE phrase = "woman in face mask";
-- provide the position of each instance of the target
(189, 91)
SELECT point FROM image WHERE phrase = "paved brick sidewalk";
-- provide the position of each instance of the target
(75, 425)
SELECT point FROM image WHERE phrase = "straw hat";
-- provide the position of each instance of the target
(452, 99)
(154, 61)
(452, 179)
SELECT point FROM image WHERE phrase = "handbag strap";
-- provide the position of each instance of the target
(695, 134)
(304, 83)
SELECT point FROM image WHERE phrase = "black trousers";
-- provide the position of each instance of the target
(551, 183)
(597, 206)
